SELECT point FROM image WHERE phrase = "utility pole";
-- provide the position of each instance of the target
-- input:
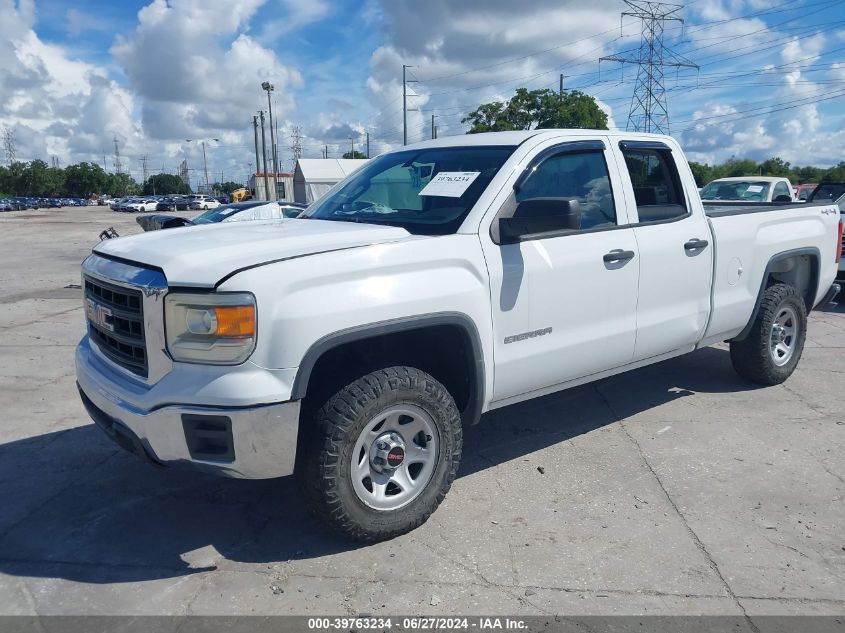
(433, 128)
(405, 82)
(649, 111)
(144, 168)
(269, 88)
(327, 151)
(352, 149)
(368, 144)
(257, 163)
(105, 167)
(264, 157)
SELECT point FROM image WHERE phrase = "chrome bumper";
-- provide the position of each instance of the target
(245, 442)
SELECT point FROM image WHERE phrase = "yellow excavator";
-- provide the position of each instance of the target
(239, 195)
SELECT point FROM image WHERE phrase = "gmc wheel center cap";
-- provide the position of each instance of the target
(387, 452)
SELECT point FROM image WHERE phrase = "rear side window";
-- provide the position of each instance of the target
(657, 187)
(581, 176)
(781, 190)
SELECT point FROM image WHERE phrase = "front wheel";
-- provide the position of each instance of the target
(381, 453)
(773, 347)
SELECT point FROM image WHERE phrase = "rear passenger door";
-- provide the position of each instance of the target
(673, 241)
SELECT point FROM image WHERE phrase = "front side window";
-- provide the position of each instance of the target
(657, 188)
(425, 191)
(581, 176)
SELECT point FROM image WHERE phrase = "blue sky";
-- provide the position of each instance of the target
(154, 73)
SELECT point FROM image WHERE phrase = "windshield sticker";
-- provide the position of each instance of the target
(226, 212)
(450, 184)
(754, 188)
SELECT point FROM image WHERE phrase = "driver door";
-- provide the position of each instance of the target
(563, 308)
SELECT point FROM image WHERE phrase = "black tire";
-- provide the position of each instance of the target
(329, 437)
(752, 357)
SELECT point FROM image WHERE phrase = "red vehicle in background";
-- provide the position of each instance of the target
(802, 192)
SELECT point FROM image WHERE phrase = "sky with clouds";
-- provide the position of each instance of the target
(153, 73)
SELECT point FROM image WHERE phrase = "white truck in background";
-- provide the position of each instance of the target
(439, 281)
(749, 189)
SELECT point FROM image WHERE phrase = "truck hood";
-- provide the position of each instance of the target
(201, 256)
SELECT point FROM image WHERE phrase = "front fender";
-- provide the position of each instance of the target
(314, 298)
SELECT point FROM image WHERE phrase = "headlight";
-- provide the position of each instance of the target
(215, 329)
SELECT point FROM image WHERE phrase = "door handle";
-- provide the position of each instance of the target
(696, 244)
(618, 255)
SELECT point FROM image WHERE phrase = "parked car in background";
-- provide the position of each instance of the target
(828, 192)
(27, 202)
(803, 191)
(749, 189)
(202, 202)
(234, 212)
(136, 204)
(172, 203)
(117, 205)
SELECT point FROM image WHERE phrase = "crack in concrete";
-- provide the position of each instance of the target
(802, 400)
(696, 540)
(41, 318)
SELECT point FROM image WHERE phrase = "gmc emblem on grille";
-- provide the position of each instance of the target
(98, 315)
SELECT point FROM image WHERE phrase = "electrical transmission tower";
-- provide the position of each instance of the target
(9, 144)
(183, 172)
(117, 165)
(144, 168)
(649, 112)
(296, 148)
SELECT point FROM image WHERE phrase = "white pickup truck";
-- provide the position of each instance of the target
(438, 282)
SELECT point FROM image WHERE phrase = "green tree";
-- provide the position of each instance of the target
(84, 179)
(121, 185)
(538, 109)
(164, 184)
(736, 167)
(702, 172)
(802, 175)
(835, 174)
(774, 166)
(354, 154)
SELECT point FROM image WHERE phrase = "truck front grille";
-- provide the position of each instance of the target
(116, 323)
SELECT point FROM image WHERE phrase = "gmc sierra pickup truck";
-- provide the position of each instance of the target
(439, 281)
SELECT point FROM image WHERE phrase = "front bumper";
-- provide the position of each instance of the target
(256, 442)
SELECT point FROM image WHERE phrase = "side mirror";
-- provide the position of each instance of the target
(782, 198)
(537, 216)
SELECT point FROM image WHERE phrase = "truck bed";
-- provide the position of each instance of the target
(748, 235)
(717, 208)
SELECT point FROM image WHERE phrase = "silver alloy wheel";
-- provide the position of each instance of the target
(394, 457)
(783, 334)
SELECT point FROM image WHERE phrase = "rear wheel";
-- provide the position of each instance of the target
(381, 453)
(773, 347)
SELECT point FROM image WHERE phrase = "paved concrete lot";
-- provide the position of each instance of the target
(678, 489)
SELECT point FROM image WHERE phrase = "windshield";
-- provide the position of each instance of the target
(425, 191)
(736, 190)
(223, 212)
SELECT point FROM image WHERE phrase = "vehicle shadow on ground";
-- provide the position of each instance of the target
(77, 507)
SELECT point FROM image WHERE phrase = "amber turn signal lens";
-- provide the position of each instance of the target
(235, 321)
